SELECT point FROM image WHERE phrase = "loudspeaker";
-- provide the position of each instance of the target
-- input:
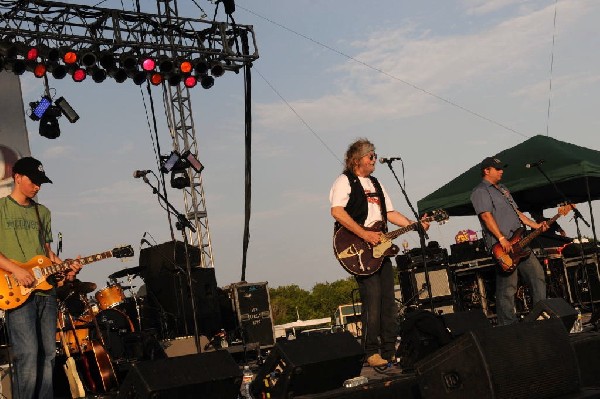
(553, 308)
(524, 360)
(311, 364)
(587, 350)
(253, 309)
(461, 322)
(578, 281)
(213, 375)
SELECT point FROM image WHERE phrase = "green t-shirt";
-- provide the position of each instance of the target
(20, 230)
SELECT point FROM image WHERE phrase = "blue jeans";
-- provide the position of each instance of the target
(379, 311)
(32, 335)
(532, 272)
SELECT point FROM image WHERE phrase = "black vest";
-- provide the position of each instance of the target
(357, 206)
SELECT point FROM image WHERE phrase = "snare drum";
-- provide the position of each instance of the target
(110, 296)
(81, 332)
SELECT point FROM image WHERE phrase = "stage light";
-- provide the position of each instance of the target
(67, 110)
(98, 74)
(107, 60)
(129, 62)
(138, 77)
(169, 162)
(217, 70)
(58, 71)
(39, 70)
(32, 54)
(69, 57)
(18, 67)
(185, 67)
(148, 64)
(53, 55)
(180, 179)
(207, 81)
(200, 66)
(192, 161)
(118, 74)
(88, 58)
(39, 108)
(165, 65)
(156, 78)
(49, 126)
(79, 74)
(190, 81)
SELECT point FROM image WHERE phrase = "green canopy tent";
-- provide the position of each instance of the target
(574, 169)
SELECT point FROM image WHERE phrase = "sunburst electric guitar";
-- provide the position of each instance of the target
(13, 295)
(508, 262)
(363, 259)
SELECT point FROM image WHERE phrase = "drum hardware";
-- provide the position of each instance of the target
(131, 271)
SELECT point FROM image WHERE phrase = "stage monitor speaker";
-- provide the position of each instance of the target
(307, 365)
(587, 350)
(553, 308)
(211, 375)
(524, 360)
(460, 323)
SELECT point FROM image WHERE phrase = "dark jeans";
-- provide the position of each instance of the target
(32, 335)
(379, 311)
(506, 287)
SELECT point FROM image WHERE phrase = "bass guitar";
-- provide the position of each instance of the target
(13, 295)
(360, 258)
(508, 261)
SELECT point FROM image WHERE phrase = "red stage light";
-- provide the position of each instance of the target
(39, 70)
(190, 81)
(79, 75)
(32, 54)
(148, 64)
(70, 57)
(185, 67)
(156, 79)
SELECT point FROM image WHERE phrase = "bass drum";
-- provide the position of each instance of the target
(114, 327)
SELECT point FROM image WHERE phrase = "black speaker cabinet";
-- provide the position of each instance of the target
(584, 283)
(307, 365)
(460, 323)
(587, 350)
(553, 308)
(213, 375)
(412, 284)
(524, 360)
(253, 308)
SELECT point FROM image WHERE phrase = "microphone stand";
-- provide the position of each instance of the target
(422, 234)
(578, 216)
(181, 224)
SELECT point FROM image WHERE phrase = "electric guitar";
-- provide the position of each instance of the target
(360, 258)
(13, 295)
(508, 262)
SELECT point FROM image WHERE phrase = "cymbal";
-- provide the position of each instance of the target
(74, 287)
(131, 271)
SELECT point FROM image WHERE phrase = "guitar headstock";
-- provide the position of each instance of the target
(123, 252)
(439, 215)
(564, 209)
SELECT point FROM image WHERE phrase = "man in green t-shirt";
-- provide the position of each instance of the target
(25, 232)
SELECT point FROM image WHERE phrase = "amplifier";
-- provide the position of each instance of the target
(414, 258)
(466, 251)
(252, 304)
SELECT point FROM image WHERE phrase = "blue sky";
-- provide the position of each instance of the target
(399, 72)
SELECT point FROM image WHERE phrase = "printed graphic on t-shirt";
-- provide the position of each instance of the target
(373, 198)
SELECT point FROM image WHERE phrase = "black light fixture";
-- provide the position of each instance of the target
(48, 114)
(49, 126)
(177, 165)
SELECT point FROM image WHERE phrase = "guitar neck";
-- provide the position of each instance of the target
(397, 233)
(61, 267)
(525, 241)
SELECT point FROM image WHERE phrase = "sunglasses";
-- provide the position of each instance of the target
(371, 156)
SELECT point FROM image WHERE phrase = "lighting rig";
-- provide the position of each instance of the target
(45, 37)
(178, 164)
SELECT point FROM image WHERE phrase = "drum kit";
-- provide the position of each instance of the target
(108, 318)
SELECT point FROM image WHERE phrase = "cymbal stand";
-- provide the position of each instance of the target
(135, 301)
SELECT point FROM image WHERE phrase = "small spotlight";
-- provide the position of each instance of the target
(58, 71)
(185, 67)
(156, 78)
(138, 77)
(69, 57)
(165, 65)
(49, 127)
(129, 62)
(32, 54)
(174, 80)
(169, 162)
(39, 70)
(53, 55)
(98, 74)
(67, 110)
(192, 161)
(148, 64)
(118, 74)
(107, 60)
(207, 81)
(39, 108)
(217, 70)
(79, 74)
(190, 81)
(18, 67)
(200, 66)
(88, 59)
(180, 179)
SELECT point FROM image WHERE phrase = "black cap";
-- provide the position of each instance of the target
(31, 168)
(492, 162)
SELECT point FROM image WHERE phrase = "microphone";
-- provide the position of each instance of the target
(388, 160)
(144, 241)
(535, 164)
(59, 242)
(140, 173)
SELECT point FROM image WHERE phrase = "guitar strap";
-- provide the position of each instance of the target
(40, 228)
